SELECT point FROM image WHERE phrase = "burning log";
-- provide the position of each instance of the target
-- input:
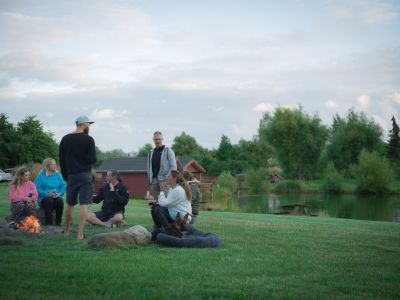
(30, 224)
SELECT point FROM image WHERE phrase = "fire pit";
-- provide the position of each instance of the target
(29, 224)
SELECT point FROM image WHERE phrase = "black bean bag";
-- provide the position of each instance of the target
(193, 238)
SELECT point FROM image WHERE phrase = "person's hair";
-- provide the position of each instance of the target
(115, 174)
(17, 177)
(157, 133)
(182, 182)
(46, 163)
(188, 175)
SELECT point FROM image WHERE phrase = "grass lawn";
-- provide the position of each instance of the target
(263, 256)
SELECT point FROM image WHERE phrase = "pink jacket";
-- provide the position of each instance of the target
(16, 193)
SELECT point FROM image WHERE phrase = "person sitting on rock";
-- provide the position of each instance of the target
(115, 196)
(22, 195)
(51, 188)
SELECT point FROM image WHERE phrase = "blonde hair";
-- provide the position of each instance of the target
(46, 163)
(182, 182)
(17, 177)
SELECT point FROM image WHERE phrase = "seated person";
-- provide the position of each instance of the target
(196, 194)
(22, 195)
(114, 195)
(166, 208)
(51, 187)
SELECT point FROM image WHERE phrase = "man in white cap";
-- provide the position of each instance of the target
(77, 155)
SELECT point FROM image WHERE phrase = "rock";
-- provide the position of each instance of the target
(117, 239)
(140, 234)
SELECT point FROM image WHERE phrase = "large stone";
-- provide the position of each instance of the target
(140, 234)
(117, 239)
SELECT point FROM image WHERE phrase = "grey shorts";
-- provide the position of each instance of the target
(80, 186)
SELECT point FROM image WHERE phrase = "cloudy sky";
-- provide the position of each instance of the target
(204, 67)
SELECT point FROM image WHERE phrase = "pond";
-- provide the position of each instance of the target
(375, 208)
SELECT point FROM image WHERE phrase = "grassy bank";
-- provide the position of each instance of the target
(263, 256)
(348, 186)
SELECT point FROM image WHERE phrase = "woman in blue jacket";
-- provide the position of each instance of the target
(51, 187)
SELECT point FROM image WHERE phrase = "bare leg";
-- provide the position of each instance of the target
(91, 218)
(68, 219)
(118, 218)
(82, 220)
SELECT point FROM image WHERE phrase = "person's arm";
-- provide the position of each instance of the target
(39, 185)
(63, 166)
(92, 152)
(35, 194)
(100, 197)
(171, 159)
(121, 196)
(13, 195)
(61, 185)
(171, 200)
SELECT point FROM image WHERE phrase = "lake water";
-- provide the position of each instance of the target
(375, 208)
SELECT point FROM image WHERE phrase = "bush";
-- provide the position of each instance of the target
(256, 180)
(227, 182)
(290, 186)
(373, 173)
(332, 182)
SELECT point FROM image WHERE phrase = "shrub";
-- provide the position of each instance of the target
(332, 182)
(256, 180)
(227, 182)
(290, 186)
(373, 173)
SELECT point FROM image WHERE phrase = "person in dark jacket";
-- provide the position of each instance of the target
(77, 155)
(115, 196)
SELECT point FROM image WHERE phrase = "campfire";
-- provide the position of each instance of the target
(30, 224)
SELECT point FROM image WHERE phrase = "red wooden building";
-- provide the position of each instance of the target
(133, 172)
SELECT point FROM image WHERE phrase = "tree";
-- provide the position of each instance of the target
(349, 136)
(144, 151)
(297, 138)
(186, 145)
(332, 182)
(373, 173)
(34, 143)
(393, 146)
(8, 143)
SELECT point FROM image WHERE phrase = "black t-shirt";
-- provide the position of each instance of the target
(77, 154)
(156, 160)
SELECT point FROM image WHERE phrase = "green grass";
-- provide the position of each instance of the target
(263, 256)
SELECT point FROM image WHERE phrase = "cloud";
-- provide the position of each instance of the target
(363, 101)
(396, 98)
(366, 12)
(49, 114)
(107, 114)
(331, 104)
(264, 107)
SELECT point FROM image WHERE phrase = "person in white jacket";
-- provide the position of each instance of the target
(177, 201)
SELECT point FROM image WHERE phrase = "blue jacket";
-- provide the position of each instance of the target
(46, 184)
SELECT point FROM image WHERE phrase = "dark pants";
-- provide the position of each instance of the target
(49, 205)
(20, 210)
(160, 215)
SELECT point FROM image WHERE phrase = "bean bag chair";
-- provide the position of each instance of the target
(192, 238)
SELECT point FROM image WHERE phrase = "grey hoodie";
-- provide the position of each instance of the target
(167, 164)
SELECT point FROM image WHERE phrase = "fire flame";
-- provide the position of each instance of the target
(31, 224)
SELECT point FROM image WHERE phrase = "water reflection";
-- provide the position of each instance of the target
(377, 208)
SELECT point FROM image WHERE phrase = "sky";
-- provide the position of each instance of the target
(207, 68)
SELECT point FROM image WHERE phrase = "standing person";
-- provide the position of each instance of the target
(161, 160)
(77, 155)
(51, 188)
(196, 194)
(115, 196)
(22, 194)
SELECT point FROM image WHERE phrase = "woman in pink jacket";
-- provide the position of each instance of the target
(22, 194)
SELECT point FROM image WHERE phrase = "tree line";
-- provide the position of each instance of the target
(288, 141)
